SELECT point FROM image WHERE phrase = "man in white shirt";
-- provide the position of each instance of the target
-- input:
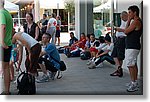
(51, 27)
(119, 46)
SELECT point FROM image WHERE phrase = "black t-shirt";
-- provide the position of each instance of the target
(133, 39)
(44, 23)
(72, 41)
(32, 30)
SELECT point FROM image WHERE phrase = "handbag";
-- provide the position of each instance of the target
(62, 64)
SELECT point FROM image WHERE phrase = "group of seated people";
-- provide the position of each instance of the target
(89, 47)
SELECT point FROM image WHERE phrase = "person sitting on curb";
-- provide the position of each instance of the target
(71, 42)
(75, 49)
(104, 54)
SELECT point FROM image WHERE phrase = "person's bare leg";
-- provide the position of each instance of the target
(117, 62)
(6, 77)
(132, 73)
(11, 70)
(43, 68)
(136, 72)
(94, 54)
(58, 40)
(55, 40)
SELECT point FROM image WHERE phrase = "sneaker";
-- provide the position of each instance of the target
(130, 83)
(59, 76)
(132, 88)
(92, 66)
(116, 73)
(4, 93)
(89, 62)
(99, 65)
(49, 73)
(45, 78)
(53, 75)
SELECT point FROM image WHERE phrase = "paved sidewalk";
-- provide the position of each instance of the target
(78, 79)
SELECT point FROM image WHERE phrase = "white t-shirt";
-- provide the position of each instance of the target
(109, 47)
(53, 22)
(102, 45)
(30, 40)
(122, 26)
(92, 43)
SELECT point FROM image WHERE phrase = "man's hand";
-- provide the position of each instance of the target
(5, 46)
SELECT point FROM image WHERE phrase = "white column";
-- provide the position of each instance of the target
(77, 18)
(68, 21)
(57, 9)
(37, 9)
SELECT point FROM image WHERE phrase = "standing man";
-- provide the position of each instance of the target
(51, 27)
(134, 30)
(43, 24)
(6, 27)
(119, 46)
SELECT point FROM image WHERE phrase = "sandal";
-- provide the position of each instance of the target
(116, 73)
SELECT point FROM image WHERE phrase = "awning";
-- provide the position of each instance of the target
(11, 6)
(102, 7)
(52, 4)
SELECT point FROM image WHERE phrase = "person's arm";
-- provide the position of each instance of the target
(42, 53)
(130, 27)
(36, 33)
(48, 25)
(105, 52)
(119, 29)
(20, 55)
(3, 31)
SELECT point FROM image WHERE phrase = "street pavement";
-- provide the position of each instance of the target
(78, 79)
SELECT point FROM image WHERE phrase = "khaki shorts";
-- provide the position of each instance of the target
(131, 57)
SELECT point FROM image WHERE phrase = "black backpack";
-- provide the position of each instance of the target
(26, 84)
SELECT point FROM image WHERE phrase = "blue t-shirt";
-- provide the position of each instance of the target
(52, 51)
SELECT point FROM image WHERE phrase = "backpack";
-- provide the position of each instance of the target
(85, 55)
(26, 84)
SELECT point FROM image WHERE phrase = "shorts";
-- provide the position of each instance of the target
(57, 33)
(93, 50)
(119, 49)
(131, 57)
(6, 54)
(52, 31)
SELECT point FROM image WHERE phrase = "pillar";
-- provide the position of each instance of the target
(83, 17)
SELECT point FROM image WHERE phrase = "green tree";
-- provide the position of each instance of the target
(70, 6)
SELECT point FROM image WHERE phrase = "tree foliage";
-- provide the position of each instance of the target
(70, 6)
